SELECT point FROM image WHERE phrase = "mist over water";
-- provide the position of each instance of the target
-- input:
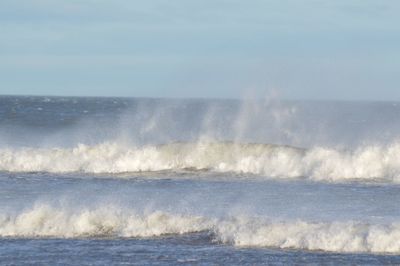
(57, 121)
(330, 141)
(311, 176)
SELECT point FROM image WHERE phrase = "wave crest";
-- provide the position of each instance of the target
(46, 221)
(319, 163)
(110, 221)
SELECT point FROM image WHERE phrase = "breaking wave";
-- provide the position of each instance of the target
(110, 221)
(334, 236)
(380, 163)
(46, 221)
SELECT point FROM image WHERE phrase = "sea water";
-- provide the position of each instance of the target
(166, 181)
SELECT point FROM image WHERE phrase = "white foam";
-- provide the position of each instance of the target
(333, 237)
(111, 221)
(46, 221)
(319, 163)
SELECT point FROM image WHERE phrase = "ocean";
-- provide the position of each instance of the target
(113, 181)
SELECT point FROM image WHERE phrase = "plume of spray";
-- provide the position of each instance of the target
(265, 120)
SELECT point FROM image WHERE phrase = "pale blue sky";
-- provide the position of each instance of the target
(306, 49)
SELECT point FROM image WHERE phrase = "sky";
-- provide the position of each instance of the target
(299, 49)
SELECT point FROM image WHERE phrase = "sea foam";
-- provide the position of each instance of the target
(111, 221)
(319, 163)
